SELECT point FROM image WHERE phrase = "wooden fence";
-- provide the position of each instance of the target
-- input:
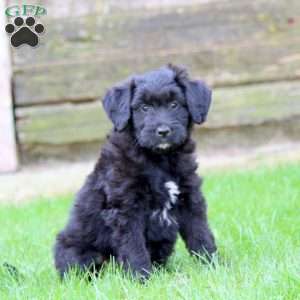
(249, 51)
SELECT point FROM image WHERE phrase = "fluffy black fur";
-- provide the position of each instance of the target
(144, 188)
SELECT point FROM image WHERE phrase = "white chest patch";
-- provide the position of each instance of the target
(163, 214)
(173, 190)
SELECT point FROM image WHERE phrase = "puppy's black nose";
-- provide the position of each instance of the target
(163, 131)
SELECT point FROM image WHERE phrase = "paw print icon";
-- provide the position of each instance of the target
(24, 31)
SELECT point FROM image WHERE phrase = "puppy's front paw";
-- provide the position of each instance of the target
(207, 256)
(143, 275)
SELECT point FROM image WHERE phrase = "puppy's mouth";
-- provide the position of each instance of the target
(164, 146)
(161, 144)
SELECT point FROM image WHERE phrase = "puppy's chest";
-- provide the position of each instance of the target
(165, 197)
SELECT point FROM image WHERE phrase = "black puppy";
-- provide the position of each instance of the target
(144, 188)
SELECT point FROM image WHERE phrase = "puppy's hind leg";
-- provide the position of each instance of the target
(81, 258)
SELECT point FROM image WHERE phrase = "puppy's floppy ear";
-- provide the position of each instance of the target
(197, 93)
(198, 97)
(116, 104)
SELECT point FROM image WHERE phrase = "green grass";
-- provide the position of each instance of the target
(255, 215)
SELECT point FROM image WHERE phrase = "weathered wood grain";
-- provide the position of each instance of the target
(207, 25)
(112, 34)
(232, 107)
(227, 42)
(8, 150)
(62, 124)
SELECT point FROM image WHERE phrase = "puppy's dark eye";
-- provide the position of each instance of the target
(173, 104)
(145, 107)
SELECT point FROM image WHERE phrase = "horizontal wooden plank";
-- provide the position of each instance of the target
(62, 124)
(227, 42)
(200, 27)
(232, 107)
(95, 35)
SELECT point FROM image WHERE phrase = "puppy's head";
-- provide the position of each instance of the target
(160, 107)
